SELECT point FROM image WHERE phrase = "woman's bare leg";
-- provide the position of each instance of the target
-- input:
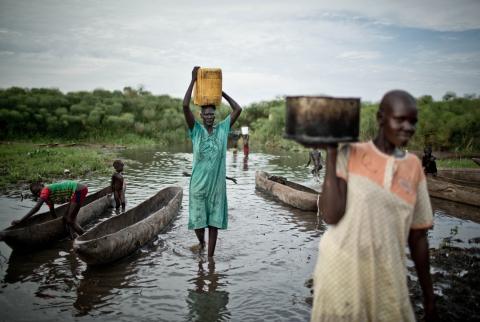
(201, 236)
(212, 240)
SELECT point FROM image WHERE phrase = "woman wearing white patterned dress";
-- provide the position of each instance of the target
(376, 201)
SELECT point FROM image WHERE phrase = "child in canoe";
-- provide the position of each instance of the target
(57, 193)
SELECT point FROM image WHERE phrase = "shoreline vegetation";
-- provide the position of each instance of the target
(44, 131)
(22, 163)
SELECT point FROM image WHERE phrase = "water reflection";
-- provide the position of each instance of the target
(234, 158)
(257, 278)
(306, 221)
(99, 284)
(462, 211)
(27, 266)
(206, 302)
(245, 163)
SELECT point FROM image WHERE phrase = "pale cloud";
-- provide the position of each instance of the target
(265, 48)
(360, 55)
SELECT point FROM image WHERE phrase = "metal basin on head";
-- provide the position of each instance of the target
(319, 120)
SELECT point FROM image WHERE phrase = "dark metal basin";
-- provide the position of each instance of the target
(319, 120)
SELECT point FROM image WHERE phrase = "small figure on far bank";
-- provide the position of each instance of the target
(235, 137)
(118, 185)
(57, 193)
(315, 157)
(207, 202)
(246, 148)
(428, 161)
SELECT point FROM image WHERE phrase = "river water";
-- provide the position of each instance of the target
(262, 261)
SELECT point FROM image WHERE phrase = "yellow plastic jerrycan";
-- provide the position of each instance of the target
(208, 88)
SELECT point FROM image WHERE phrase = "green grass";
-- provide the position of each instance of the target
(129, 139)
(26, 162)
(456, 163)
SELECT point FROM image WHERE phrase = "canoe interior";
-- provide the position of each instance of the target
(290, 184)
(132, 216)
(59, 210)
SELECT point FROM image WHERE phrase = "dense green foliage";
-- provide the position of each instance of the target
(449, 125)
(135, 115)
(23, 162)
(99, 115)
(456, 163)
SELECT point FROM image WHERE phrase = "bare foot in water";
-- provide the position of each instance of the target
(198, 248)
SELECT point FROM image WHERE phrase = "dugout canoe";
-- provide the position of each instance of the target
(41, 230)
(291, 193)
(121, 235)
(438, 187)
(461, 176)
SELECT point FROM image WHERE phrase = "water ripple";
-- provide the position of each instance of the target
(262, 261)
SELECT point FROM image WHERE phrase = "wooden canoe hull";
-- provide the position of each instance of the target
(461, 176)
(439, 188)
(41, 230)
(121, 235)
(293, 194)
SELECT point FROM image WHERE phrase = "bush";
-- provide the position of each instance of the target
(450, 124)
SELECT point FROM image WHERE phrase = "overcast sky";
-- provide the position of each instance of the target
(265, 48)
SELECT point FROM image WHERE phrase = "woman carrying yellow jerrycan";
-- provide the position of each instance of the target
(208, 195)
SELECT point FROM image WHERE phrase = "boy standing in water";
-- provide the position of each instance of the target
(57, 193)
(315, 157)
(376, 200)
(428, 162)
(118, 185)
(208, 195)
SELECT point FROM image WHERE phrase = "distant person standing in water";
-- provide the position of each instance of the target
(375, 200)
(208, 194)
(428, 161)
(315, 157)
(118, 185)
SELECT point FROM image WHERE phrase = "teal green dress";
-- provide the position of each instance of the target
(207, 203)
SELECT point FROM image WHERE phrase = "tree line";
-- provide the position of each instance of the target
(452, 123)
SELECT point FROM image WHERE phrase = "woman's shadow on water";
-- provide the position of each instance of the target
(206, 302)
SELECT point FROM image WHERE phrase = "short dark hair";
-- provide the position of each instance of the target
(35, 186)
(207, 106)
(117, 163)
(397, 94)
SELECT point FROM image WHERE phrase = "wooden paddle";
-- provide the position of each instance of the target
(186, 174)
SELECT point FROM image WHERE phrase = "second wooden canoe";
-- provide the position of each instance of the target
(461, 176)
(439, 188)
(291, 193)
(121, 235)
(41, 230)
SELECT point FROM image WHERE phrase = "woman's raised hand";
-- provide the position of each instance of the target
(194, 72)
